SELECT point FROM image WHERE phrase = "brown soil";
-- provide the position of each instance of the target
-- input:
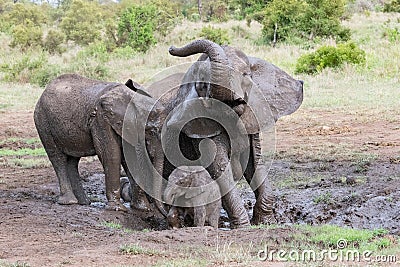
(36, 230)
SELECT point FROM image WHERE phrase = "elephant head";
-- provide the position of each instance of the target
(190, 186)
(228, 75)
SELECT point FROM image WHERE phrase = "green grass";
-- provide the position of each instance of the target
(18, 97)
(29, 163)
(136, 249)
(28, 141)
(182, 263)
(112, 225)
(325, 198)
(22, 152)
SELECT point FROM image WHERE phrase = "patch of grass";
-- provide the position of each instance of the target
(29, 163)
(136, 249)
(182, 263)
(325, 198)
(363, 162)
(265, 226)
(23, 152)
(112, 225)
(17, 97)
(332, 235)
(296, 179)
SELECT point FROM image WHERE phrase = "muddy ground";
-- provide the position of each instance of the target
(330, 167)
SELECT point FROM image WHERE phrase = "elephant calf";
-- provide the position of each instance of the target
(194, 196)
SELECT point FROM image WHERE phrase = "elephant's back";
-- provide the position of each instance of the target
(64, 111)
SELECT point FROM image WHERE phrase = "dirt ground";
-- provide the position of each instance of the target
(314, 183)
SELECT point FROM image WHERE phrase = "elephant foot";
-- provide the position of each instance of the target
(235, 225)
(67, 199)
(84, 200)
(263, 216)
(116, 206)
(263, 219)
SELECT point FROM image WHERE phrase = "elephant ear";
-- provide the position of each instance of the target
(283, 93)
(126, 112)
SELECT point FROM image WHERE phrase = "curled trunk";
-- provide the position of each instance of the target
(220, 74)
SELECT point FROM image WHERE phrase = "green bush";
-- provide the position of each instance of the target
(82, 22)
(217, 35)
(27, 13)
(52, 42)
(43, 75)
(393, 6)
(26, 36)
(137, 27)
(303, 19)
(330, 57)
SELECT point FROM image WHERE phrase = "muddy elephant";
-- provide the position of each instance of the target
(78, 117)
(194, 197)
(254, 94)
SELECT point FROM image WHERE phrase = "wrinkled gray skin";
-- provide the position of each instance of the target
(200, 205)
(78, 117)
(283, 94)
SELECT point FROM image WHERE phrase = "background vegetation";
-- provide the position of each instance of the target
(84, 36)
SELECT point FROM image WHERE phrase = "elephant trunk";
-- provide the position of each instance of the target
(220, 66)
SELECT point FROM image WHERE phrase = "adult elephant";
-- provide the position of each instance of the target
(78, 117)
(256, 92)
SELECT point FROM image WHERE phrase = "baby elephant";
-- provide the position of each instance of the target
(194, 197)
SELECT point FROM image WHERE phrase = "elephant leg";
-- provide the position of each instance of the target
(108, 149)
(139, 199)
(231, 201)
(59, 161)
(256, 175)
(213, 213)
(199, 216)
(73, 175)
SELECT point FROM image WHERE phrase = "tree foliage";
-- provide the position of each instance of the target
(303, 19)
(82, 22)
(137, 26)
(217, 35)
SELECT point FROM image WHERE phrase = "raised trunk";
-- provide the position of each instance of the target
(220, 75)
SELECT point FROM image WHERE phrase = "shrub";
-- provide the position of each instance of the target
(43, 75)
(217, 35)
(81, 22)
(330, 56)
(168, 15)
(137, 26)
(26, 36)
(303, 19)
(52, 42)
(393, 6)
(392, 34)
(21, 70)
